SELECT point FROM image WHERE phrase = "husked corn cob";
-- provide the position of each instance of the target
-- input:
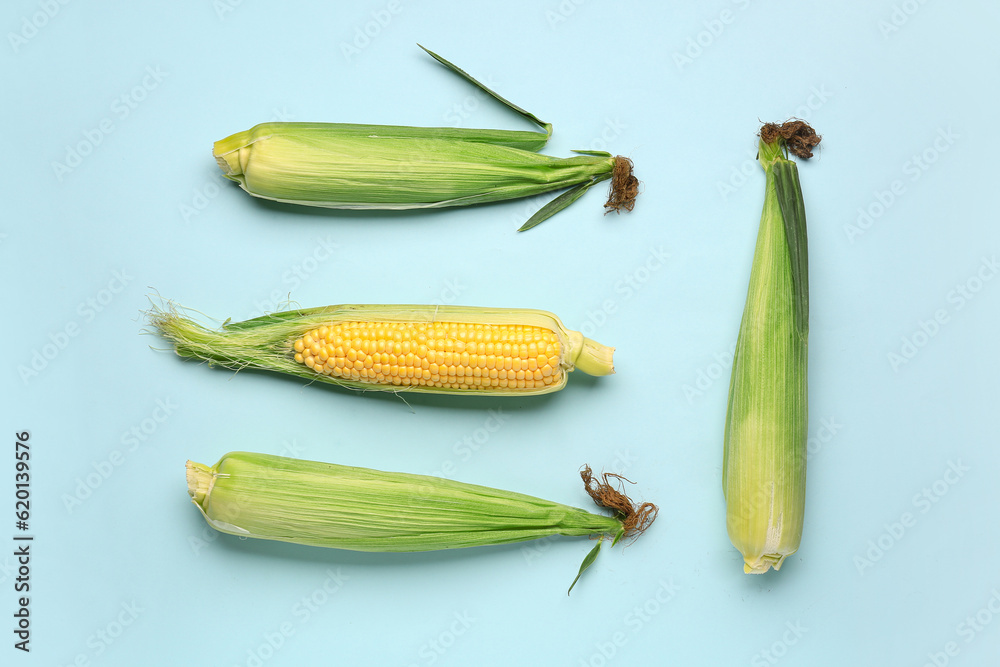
(447, 349)
(351, 166)
(453, 355)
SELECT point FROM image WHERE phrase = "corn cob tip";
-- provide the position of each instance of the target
(635, 517)
(161, 316)
(225, 165)
(797, 135)
(624, 187)
(199, 481)
(230, 152)
(591, 357)
(761, 564)
(188, 337)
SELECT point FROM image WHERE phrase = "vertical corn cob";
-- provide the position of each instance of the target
(351, 166)
(764, 465)
(446, 349)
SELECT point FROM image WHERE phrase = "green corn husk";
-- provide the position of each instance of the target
(267, 342)
(328, 505)
(764, 464)
(350, 166)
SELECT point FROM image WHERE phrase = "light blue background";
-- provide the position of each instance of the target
(882, 81)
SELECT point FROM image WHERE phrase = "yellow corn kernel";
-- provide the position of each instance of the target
(433, 354)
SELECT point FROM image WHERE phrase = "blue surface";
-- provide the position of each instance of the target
(898, 564)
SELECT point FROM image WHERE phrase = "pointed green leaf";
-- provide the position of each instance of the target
(587, 562)
(510, 105)
(558, 204)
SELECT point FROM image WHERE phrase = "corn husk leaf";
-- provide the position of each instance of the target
(352, 166)
(328, 505)
(764, 464)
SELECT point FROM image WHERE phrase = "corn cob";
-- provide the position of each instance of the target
(352, 166)
(436, 349)
(764, 464)
(328, 505)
